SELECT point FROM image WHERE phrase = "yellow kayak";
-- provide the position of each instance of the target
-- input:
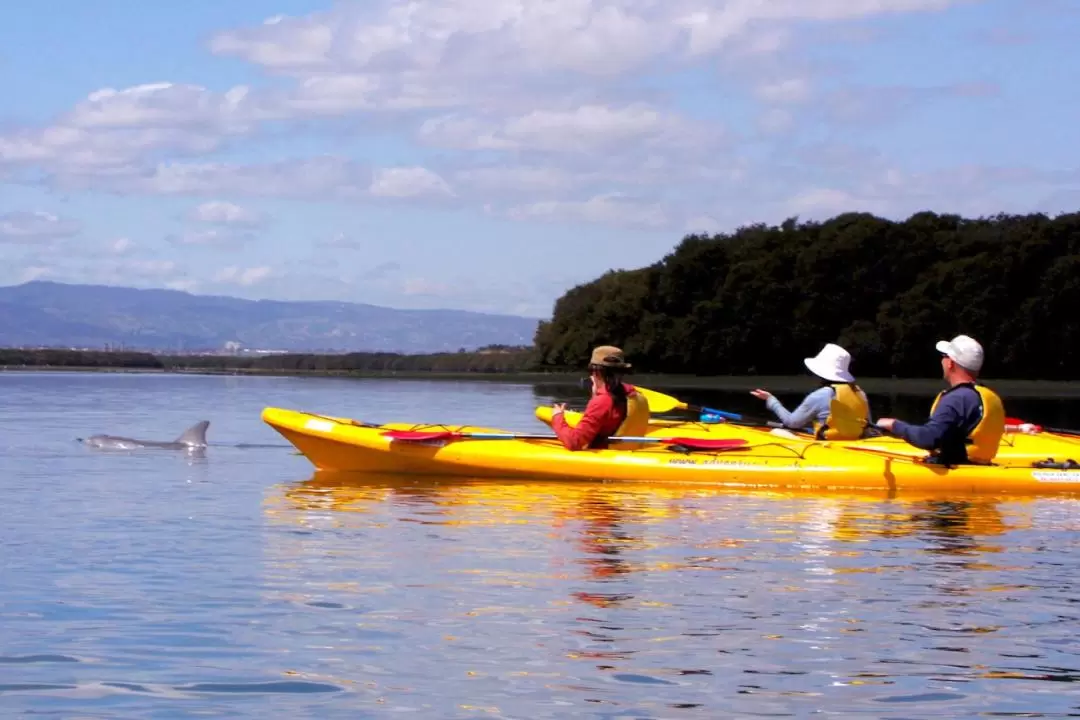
(1017, 448)
(339, 444)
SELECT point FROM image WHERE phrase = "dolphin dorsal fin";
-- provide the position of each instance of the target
(195, 435)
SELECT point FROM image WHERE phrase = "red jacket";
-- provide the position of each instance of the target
(601, 419)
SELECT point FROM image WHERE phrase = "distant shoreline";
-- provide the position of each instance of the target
(794, 383)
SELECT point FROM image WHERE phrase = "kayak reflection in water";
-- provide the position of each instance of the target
(838, 410)
(967, 420)
(615, 408)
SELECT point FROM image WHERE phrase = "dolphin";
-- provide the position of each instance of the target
(194, 438)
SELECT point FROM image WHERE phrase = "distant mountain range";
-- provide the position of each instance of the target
(54, 314)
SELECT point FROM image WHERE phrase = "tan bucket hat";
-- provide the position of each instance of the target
(609, 356)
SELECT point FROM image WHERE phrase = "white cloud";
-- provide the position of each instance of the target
(224, 213)
(214, 237)
(184, 285)
(585, 129)
(113, 129)
(705, 224)
(121, 246)
(790, 90)
(525, 179)
(713, 25)
(110, 270)
(243, 276)
(462, 39)
(423, 286)
(312, 177)
(35, 226)
(611, 209)
(150, 268)
(819, 203)
(162, 105)
(35, 272)
(536, 110)
(341, 241)
(403, 182)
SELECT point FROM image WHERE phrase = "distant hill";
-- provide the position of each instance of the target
(41, 313)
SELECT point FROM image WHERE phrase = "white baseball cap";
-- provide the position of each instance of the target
(965, 351)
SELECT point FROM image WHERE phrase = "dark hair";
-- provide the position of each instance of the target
(612, 378)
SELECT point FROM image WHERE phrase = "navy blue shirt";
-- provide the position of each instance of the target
(958, 412)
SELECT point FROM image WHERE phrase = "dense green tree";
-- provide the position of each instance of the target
(759, 299)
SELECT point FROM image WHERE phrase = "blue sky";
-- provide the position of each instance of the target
(490, 154)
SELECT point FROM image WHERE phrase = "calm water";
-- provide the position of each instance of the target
(151, 584)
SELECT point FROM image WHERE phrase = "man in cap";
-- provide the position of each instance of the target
(967, 420)
(615, 408)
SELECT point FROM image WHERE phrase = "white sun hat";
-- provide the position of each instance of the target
(965, 351)
(831, 364)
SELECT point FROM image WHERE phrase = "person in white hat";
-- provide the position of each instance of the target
(967, 420)
(838, 410)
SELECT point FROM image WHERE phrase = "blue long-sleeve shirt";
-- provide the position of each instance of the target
(814, 406)
(956, 415)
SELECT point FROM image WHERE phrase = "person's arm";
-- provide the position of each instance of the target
(579, 437)
(948, 414)
(804, 415)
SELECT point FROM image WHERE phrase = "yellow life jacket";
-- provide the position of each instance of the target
(985, 437)
(636, 423)
(848, 413)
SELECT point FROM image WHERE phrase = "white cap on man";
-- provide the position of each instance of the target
(965, 352)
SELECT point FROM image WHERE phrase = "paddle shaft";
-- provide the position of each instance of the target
(430, 435)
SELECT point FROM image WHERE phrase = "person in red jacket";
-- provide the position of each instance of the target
(615, 407)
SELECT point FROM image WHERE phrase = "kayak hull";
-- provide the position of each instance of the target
(342, 445)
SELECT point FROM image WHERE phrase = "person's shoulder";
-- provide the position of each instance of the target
(600, 400)
(962, 396)
(965, 391)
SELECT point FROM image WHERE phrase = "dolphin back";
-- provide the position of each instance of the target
(194, 435)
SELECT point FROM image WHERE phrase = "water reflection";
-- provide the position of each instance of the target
(645, 599)
(613, 531)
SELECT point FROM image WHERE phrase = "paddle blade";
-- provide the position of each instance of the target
(659, 402)
(418, 435)
(1018, 425)
(706, 443)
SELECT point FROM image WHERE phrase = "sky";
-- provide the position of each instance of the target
(491, 154)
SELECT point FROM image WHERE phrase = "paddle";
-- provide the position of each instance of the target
(1017, 425)
(661, 403)
(690, 443)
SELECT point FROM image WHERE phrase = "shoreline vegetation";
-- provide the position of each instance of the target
(500, 364)
(758, 300)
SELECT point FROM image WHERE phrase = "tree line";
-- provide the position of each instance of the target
(759, 299)
(498, 359)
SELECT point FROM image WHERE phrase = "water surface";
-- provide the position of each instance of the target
(156, 584)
